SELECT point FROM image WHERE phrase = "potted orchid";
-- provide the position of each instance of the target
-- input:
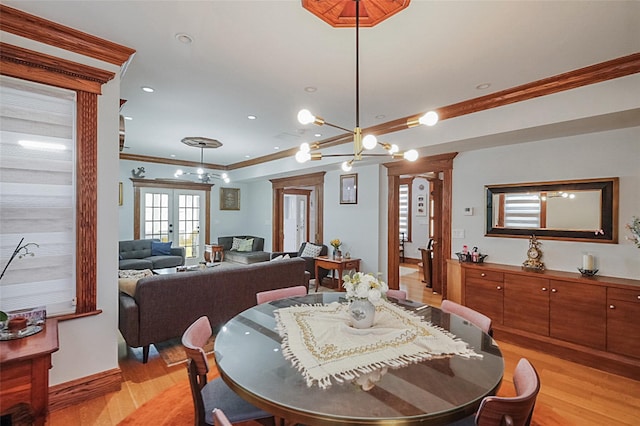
(363, 290)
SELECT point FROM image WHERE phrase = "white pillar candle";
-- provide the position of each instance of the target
(587, 262)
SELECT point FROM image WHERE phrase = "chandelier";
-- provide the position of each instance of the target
(361, 143)
(202, 143)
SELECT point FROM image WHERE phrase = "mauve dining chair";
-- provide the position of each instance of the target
(397, 294)
(280, 293)
(480, 320)
(509, 411)
(214, 394)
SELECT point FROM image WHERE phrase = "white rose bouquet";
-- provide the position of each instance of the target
(364, 286)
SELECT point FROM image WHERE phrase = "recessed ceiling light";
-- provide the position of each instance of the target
(173, 156)
(184, 38)
(276, 147)
(126, 117)
(147, 89)
(380, 116)
(310, 89)
(247, 156)
(317, 135)
(483, 86)
(251, 117)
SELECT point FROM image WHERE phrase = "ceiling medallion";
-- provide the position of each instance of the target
(342, 13)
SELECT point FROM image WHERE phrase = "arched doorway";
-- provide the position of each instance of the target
(441, 164)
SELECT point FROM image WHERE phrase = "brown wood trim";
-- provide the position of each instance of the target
(393, 227)
(160, 160)
(66, 317)
(20, 23)
(437, 163)
(80, 390)
(35, 66)
(601, 360)
(170, 183)
(87, 201)
(316, 180)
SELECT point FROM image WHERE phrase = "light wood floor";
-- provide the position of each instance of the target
(570, 394)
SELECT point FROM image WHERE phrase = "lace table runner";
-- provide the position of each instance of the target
(323, 346)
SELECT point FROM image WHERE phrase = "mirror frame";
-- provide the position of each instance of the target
(608, 210)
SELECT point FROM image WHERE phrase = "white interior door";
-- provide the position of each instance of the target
(295, 221)
(174, 215)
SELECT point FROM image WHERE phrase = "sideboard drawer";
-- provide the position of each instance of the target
(484, 275)
(623, 294)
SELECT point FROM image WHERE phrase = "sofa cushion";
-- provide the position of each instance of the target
(165, 261)
(135, 264)
(160, 249)
(236, 243)
(246, 257)
(246, 245)
(311, 250)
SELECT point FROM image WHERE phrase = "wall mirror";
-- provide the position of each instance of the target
(584, 210)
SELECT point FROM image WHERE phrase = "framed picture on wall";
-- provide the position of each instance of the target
(421, 205)
(229, 198)
(349, 189)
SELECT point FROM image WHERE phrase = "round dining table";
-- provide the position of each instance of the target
(438, 391)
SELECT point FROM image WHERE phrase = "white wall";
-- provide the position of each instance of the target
(605, 154)
(356, 225)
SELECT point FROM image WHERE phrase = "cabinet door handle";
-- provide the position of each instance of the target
(498, 288)
(484, 275)
(553, 290)
(612, 306)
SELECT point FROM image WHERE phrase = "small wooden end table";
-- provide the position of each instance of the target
(25, 365)
(339, 265)
(211, 251)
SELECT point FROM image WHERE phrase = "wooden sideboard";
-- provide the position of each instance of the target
(589, 320)
(24, 371)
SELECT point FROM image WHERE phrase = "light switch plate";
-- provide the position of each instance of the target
(457, 233)
(468, 211)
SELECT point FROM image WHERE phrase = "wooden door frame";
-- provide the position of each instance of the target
(282, 185)
(442, 163)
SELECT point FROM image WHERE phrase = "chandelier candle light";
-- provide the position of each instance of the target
(360, 142)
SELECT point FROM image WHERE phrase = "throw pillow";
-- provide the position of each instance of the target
(236, 243)
(280, 257)
(160, 249)
(246, 245)
(311, 250)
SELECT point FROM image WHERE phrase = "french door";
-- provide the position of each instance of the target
(174, 215)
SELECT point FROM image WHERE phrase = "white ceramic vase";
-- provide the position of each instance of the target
(362, 313)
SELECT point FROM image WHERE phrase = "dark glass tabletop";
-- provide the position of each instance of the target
(432, 392)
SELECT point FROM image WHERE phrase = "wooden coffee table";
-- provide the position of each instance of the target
(339, 265)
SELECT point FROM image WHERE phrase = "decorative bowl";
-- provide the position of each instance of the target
(588, 272)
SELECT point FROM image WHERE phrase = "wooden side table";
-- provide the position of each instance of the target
(339, 265)
(24, 371)
(211, 251)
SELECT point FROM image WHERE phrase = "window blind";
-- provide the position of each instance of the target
(404, 210)
(37, 195)
(521, 211)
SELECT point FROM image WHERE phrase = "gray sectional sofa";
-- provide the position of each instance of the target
(254, 255)
(148, 254)
(161, 307)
